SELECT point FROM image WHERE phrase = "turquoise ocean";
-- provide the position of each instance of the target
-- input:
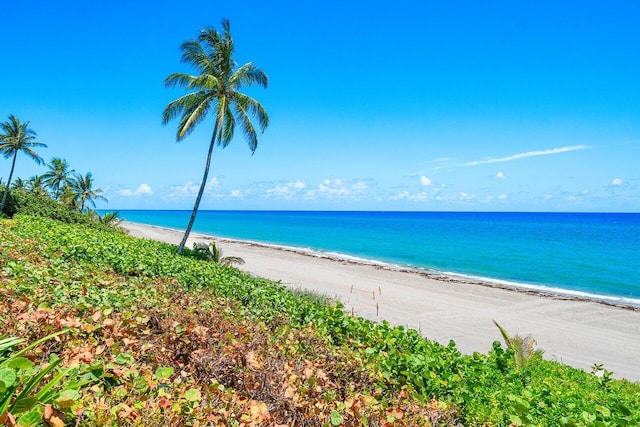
(592, 255)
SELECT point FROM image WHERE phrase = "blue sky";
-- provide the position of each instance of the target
(404, 105)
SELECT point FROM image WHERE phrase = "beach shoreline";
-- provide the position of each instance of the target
(572, 329)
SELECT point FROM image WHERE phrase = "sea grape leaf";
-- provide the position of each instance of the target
(7, 377)
(24, 404)
(193, 395)
(20, 363)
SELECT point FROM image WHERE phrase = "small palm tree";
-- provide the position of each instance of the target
(83, 187)
(57, 176)
(110, 219)
(216, 89)
(17, 137)
(214, 253)
(524, 351)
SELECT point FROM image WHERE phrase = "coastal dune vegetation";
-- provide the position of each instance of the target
(126, 332)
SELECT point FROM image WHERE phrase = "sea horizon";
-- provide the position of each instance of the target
(521, 250)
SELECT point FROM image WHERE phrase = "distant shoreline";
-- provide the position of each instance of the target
(572, 330)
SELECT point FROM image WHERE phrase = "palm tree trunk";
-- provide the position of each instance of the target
(200, 192)
(6, 190)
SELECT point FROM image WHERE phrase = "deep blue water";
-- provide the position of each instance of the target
(592, 253)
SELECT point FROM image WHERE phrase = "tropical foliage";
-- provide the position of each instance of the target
(214, 253)
(58, 175)
(155, 338)
(17, 137)
(215, 89)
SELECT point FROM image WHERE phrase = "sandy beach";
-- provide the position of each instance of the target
(575, 332)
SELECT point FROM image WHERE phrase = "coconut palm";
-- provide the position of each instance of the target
(216, 90)
(57, 176)
(19, 184)
(83, 188)
(36, 186)
(17, 137)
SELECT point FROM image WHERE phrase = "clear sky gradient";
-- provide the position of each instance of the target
(403, 105)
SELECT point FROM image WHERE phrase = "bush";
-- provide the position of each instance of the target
(19, 201)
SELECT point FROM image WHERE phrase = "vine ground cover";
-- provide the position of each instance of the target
(157, 338)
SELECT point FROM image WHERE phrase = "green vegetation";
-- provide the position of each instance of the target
(17, 137)
(213, 253)
(157, 338)
(58, 176)
(216, 89)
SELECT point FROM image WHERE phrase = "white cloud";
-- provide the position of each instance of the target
(503, 197)
(466, 196)
(331, 188)
(425, 181)
(187, 190)
(585, 192)
(237, 194)
(287, 189)
(360, 186)
(548, 196)
(142, 190)
(214, 182)
(500, 175)
(525, 155)
(616, 181)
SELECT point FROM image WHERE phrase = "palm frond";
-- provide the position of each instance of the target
(247, 75)
(255, 109)
(193, 53)
(179, 79)
(194, 112)
(247, 126)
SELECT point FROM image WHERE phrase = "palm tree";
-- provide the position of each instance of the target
(214, 253)
(83, 187)
(524, 349)
(17, 137)
(19, 184)
(69, 197)
(216, 89)
(110, 219)
(36, 186)
(57, 176)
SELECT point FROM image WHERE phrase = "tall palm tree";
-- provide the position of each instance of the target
(17, 137)
(57, 176)
(216, 89)
(83, 187)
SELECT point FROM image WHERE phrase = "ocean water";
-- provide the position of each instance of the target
(588, 254)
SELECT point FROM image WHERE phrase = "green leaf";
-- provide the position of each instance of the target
(68, 398)
(163, 373)
(29, 419)
(125, 359)
(140, 385)
(7, 377)
(336, 418)
(19, 363)
(23, 405)
(193, 395)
